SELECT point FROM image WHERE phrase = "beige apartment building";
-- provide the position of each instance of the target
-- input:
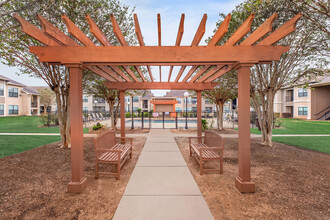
(311, 103)
(17, 99)
(146, 103)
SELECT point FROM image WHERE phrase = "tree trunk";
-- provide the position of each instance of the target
(112, 115)
(62, 119)
(270, 116)
(220, 115)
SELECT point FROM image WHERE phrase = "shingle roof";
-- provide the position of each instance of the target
(30, 90)
(11, 82)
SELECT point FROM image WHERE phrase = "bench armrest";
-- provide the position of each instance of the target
(190, 138)
(125, 138)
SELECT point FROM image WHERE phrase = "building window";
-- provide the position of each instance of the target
(2, 108)
(302, 111)
(302, 92)
(207, 101)
(178, 109)
(135, 109)
(13, 109)
(208, 109)
(179, 100)
(98, 100)
(85, 109)
(188, 100)
(85, 98)
(135, 99)
(13, 92)
(98, 108)
(1, 90)
(193, 101)
(194, 109)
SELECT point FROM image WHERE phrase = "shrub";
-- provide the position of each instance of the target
(278, 122)
(49, 119)
(128, 115)
(97, 126)
(204, 125)
(145, 114)
(286, 115)
(277, 115)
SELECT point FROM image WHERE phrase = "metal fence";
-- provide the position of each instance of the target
(147, 120)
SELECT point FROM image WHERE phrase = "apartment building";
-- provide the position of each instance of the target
(17, 99)
(180, 106)
(312, 102)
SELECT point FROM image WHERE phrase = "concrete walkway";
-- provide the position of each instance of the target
(161, 185)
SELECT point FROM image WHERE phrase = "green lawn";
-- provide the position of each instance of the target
(298, 126)
(13, 144)
(24, 124)
(321, 144)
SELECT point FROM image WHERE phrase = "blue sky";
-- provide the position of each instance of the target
(170, 11)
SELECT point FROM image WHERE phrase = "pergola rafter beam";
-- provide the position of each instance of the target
(262, 30)
(221, 72)
(76, 32)
(222, 30)
(55, 33)
(210, 73)
(159, 42)
(198, 37)
(35, 32)
(178, 41)
(95, 30)
(160, 85)
(282, 31)
(200, 72)
(243, 30)
(122, 41)
(140, 39)
(101, 73)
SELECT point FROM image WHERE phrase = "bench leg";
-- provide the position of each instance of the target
(221, 165)
(200, 166)
(96, 170)
(190, 154)
(130, 155)
(118, 171)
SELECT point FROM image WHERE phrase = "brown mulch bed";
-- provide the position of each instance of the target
(291, 183)
(128, 131)
(33, 185)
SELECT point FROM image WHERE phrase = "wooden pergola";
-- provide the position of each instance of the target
(115, 64)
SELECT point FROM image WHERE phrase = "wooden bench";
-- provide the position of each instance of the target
(108, 150)
(208, 148)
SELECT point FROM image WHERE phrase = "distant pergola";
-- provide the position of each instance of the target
(114, 63)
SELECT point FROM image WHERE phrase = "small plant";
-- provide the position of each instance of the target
(97, 126)
(128, 114)
(204, 125)
(279, 122)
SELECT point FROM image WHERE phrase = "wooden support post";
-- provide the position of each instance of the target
(78, 181)
(243, 182)
(122, 113)
(199, 113)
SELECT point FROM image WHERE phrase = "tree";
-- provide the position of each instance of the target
(47, 97)
(94, 86)
(304, 59)
(226, 90)
(14, 45)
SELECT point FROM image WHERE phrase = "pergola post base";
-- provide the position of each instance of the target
(77, 187)
(244, 186)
